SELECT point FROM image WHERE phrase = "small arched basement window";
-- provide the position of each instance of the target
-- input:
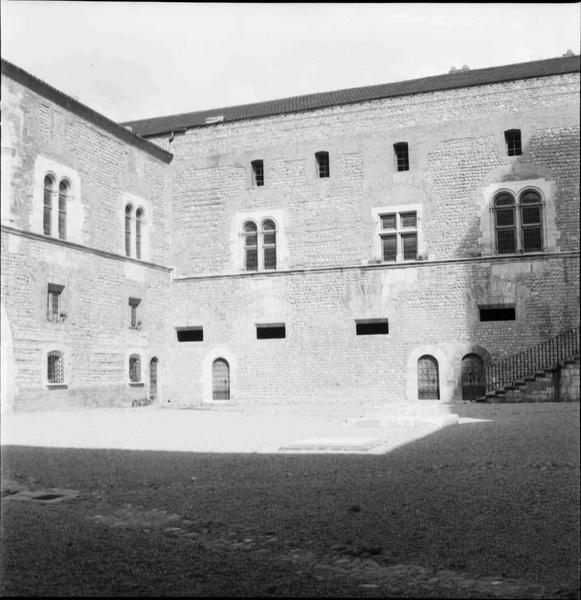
(135, 368)
(55, 368)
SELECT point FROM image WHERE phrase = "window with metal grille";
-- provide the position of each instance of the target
(258, 172)
(504, 205)
(323, 164)
(497, 312)
(128, 213)
(371, 327)
(531, 221)
(53, 312)
(190, 334)
(269, 244)
(134, 313)
(250, 246)
(64, 188)
(428, 378)
(135, 368)
(402, 158)
(55, 368)
(269, 331)
(399, 236)
(513, 142)
(138, 229)
(47, 212)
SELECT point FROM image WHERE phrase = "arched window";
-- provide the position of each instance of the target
(135, 368)
(250, 246)
(64, 188)
(138, 224)
(505, 223)
(128, 212)
(55, 367)
(220, 380)
(269, 244)
(48, 194)
(428, 378)
(531, 210)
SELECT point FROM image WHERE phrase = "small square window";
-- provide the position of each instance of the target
(372, 327)
(54, 309)
(270, 331)
(408, 219)
(258, 172)
(402, 156)
(134, 313)
(190, 334)
(323, 164)
(513, 142)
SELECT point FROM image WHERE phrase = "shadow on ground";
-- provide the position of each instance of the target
(483, 509)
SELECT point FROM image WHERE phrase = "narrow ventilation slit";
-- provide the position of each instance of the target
(190, 334)
(497, 313)
(372, 327)
(272, 331)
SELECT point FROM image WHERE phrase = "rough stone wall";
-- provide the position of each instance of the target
(457, 159)
(322, 359)
(98, 280)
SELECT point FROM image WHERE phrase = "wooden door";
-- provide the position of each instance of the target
(153, 379)
(473, 384)
(220, 380)
(428, 378)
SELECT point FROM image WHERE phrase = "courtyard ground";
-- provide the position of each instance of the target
(191, 503)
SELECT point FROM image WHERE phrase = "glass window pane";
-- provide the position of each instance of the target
(410, 246)
(270, 257)
(389, 243)
(251, 259)
(408, 219)
(531, 215)
(506, 241)
(532, 239)
(388, 221)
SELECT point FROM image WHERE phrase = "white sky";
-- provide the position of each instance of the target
(132, 60)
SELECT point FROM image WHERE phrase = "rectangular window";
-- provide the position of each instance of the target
(372, 327)
(270, 331)
(402, 156)
(497, 312)
(323, 164)
(399, 236)
(190, 334)
(54, 312)
(258, 172)
(513, 142)
(134, 313)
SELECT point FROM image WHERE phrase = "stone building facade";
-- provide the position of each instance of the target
(364, 246)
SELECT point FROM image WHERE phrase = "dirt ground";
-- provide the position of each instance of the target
(485, 508)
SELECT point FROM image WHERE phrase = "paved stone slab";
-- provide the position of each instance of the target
(334, 444)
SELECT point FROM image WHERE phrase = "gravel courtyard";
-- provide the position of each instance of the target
(485, 508)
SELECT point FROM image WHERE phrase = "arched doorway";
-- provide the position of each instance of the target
(220, 380)
(473, 383)
(428, 378)
(153, 378)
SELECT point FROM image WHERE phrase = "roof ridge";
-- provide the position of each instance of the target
(459, 74)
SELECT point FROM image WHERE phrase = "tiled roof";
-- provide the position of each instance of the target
(68, 103)
(458, 79)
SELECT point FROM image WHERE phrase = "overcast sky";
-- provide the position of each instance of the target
(132, 60)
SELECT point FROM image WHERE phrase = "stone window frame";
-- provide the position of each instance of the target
(238, 240)
(136, 227)
(66, 220)
(547, 191)
(398, 209)
(56, 209)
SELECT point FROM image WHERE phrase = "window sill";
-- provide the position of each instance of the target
(57, 386)
(136, 384)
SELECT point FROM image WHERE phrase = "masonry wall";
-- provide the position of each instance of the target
(93, 333)
(328, 243)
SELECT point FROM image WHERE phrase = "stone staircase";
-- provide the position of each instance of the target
(547, 372)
